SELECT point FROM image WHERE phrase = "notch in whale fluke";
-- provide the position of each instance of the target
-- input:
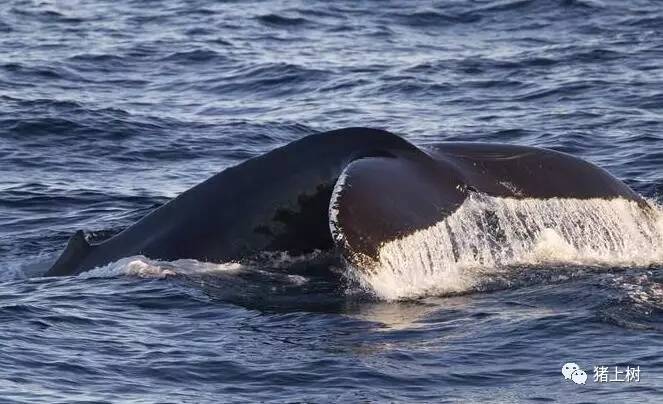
(77, 249)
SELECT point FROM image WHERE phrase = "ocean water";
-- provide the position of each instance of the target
(110, 108)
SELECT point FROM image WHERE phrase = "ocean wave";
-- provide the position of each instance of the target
(281, 20)
(195, 56)
(639, 304)
(537, 5)
(268, 79)
(433, 18)
(4, 27)
(25, 74)
(45, 15)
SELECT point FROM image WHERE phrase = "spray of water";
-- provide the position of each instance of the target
(143, 267)
(269, 266)
(488, 233)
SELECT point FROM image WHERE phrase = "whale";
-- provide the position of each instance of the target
(348, 191)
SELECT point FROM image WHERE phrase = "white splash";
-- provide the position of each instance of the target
(487, 233)
(142, 267)
(14, 268)
(11, 271)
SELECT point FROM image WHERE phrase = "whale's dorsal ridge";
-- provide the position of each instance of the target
(75, 252)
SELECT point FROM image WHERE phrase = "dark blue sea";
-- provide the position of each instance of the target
(109, 108)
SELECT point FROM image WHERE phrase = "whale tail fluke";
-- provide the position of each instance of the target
(378, 199)
(77, 249)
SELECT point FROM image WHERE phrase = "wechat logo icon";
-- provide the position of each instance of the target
(572, 371)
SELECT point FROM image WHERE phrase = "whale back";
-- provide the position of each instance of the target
(278, 201)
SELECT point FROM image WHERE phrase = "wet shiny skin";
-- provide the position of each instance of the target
(110, 108)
